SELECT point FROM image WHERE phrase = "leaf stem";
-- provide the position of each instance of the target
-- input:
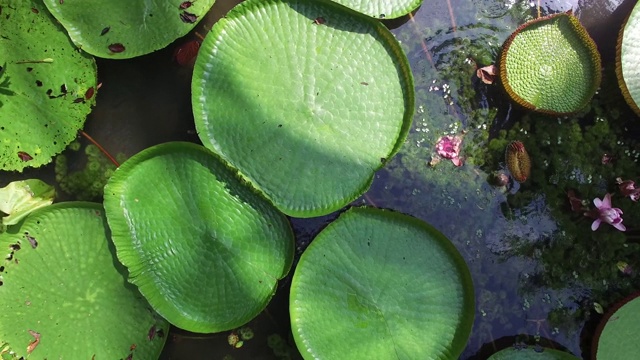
(105, 152)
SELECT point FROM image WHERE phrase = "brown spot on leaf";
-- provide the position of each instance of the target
(319, 20)
(105, 30)
(38, 83)
(35, 11)
(116, 48)
(188, 17)
(31, 239)
(34, 343)
(24, 156)
(89, 93)
(186, 5)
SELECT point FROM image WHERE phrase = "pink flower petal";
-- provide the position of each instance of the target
(595, 224)
(619, 226)
(606, 202)
(597, 202)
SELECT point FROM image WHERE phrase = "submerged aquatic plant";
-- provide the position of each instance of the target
(607, 214)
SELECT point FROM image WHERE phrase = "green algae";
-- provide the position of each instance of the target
(87, 182)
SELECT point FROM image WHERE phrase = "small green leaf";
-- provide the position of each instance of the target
(19, 198)
(551, 65)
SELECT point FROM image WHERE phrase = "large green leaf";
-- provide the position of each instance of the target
(551, 65)
(61, 282)
(376, 284)
(628, 53)
(121, 29)
(204, 249)
(532, 353)
(382, 9)
(47, 86)
(617, 335)
(307, 99)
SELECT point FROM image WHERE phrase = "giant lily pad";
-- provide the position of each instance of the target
(46, 86)
(551, 65)
(617, 335)
(121, 29)
(204, 249)
(376, 284)
(532, 353)
(628, 53)
(307, 99)
(382, 9)
(64, 295)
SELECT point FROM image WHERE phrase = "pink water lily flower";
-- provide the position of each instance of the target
(449, 148)
(607, 214)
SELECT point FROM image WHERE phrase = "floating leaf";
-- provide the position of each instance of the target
(121, 29)
(617, 334)
(43, 79)
(205, 250)
(551, 65)
(306, 110)
(627, 55)
(376, 284)
(382, 9)
(67, 297)
(531, 353)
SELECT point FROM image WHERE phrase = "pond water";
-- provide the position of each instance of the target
(537, 267)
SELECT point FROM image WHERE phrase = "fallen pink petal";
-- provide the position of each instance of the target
(606, 159)
(607, 214)
(448, 147)
(629, 188)
(487, 74)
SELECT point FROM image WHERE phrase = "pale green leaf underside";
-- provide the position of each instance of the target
(44, 82)
(380, 285)
(619, 337)
(630, 53)
(532, 353)
(71, 290)
(307, 99)
(382, 9)
(552, 65)
(19, 198)
(204, 249)
(140, 26)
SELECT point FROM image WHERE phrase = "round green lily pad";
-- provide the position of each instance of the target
(532, 353)
(122, 29)
(205, 250)
(64, 294)
(382, 9)
(628, 53)
(47, 86)
(617, 335)
(307, 99)
(551, 65)
(376, 284)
